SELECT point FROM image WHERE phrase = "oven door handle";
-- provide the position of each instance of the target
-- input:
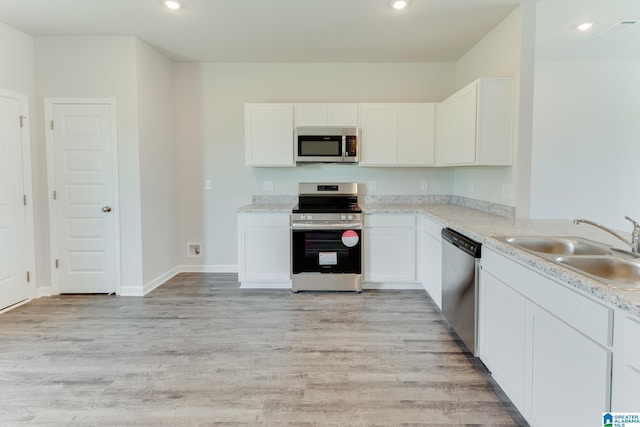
(337, 226)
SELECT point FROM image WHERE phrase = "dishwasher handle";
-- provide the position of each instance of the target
(462, 242)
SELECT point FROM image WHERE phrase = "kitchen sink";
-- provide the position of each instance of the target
(610, 268)
(584, 256)
(559, 245)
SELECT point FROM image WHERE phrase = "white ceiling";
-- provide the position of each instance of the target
(273, 30)
(558, 39)
(329, 30)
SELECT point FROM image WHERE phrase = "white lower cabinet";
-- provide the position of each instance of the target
(264, 250)
(626, 365)
(567, 378)
(501, 335)
(546, 345)
(390, 248)
(430, 258)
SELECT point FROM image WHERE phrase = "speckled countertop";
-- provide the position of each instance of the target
(483, 227)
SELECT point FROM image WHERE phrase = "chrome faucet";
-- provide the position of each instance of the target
(635, 234)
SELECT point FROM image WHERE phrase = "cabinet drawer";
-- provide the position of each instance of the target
(263, 220)
(630, 342)
(588, 316)
(430, 227)
(391, 220)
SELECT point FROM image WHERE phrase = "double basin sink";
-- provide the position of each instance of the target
(584, 256)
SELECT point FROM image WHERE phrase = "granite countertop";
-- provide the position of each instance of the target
(484, 227)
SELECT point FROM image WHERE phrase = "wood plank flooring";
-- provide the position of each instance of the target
(200, 351)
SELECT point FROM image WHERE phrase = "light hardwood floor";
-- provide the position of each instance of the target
(200, 351)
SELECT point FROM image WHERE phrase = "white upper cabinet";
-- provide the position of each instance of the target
(397, 134)
(315, 114)
(474, 126)
(268, 134)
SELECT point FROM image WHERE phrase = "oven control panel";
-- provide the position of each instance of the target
(325, 220)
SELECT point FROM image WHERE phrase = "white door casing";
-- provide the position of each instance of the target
(82, 175)
(16, 219)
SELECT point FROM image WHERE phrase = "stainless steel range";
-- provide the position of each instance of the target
(326, 238)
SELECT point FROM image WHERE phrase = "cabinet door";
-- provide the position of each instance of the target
(269, 135)
(456, 142)
(342, 115)
(494, 122)
(310, 115)
(319, 114)
(626, 370)
(430, 259)
(501, 335)
(390, 254)
(416, 134)
(264, 250)
(379, 134)
(568, 374)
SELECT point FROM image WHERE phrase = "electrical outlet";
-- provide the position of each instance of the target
(424, 185)
(371, 186)
(207, 184)
(267, 186)
(194, 250)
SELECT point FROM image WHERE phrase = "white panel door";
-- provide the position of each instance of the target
(13, 249)
(85, 226)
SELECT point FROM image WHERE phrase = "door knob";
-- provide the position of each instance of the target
(106, 209)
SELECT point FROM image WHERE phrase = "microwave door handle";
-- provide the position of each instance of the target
(344, 147)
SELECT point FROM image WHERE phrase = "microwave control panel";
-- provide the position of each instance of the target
(351, 146)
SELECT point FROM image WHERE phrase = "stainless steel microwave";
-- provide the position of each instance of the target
(326, 144)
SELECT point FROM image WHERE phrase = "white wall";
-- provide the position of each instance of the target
(17, 56)
(210, 138)
(154, 74)
(587, 141)
(102, 67)
(17, 59)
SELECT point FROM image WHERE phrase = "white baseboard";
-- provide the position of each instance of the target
(131, 291)
(160, 280)
(140, 291)
(135, 291)
(16, 305)
(44, 291)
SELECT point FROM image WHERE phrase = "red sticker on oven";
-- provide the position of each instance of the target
(350, 238)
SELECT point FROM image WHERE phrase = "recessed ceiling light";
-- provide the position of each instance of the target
(172, 4)
(399, 4)
(585, 26)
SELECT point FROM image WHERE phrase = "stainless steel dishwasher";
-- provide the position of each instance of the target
(460, 264)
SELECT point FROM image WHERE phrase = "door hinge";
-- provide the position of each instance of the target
(28, 276)
(57, 264)
(22, 121)
(55, 195)
(51, 124)
(24, 199)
